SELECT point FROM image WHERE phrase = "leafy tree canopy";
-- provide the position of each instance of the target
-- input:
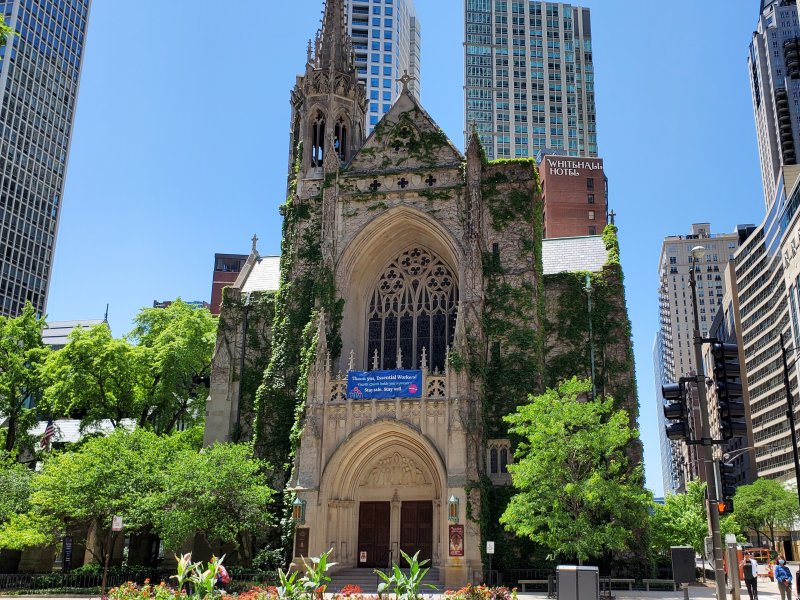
(22, 357)
(177, 343)
(764, 505)
(578, 495)
(15, 483)
(106, 476)
(682, 520)
(220, 493)
(157, 376)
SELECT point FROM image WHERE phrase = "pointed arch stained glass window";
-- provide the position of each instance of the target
(413, 306)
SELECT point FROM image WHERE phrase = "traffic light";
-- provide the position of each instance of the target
(675, 410)
(728, 384)
(727, 479)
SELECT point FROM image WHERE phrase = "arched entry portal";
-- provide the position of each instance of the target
(384, 493)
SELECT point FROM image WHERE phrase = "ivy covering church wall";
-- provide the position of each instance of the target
(258, 312)
(566, 325)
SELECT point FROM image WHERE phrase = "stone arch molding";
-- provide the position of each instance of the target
(395, 229)
(375, 245)
(384, 455)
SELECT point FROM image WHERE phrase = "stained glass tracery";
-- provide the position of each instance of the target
(413, 306)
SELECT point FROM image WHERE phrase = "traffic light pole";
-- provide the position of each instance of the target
(706, 440)
(790, 415)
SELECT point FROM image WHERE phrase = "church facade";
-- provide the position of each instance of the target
(400, 256)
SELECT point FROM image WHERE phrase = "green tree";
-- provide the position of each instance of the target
(15, 481)
(158, 375)
(96, 376)
(220, 493)
(22, 356)
(764, 505)
(177, 344)
(682, 520)
(577, 492)
(85, 488)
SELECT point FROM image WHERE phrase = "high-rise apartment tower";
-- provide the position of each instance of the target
(774, 63)
(387, 41)
(39, 77)
(677, 322)
(530, 77)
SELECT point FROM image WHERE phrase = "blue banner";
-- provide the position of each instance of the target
(366, 385)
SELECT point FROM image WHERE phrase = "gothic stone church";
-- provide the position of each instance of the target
(401, 253)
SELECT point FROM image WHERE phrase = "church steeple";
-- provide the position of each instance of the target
(334, 48)
(329, 103)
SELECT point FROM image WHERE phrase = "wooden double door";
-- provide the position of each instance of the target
(374, 532)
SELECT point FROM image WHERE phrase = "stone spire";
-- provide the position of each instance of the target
(334, 48)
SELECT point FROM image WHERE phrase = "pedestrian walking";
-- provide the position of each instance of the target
(784, 578)
(749, 567)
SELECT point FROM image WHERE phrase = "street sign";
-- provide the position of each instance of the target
(709, 547)
(489, 547)
(116, 523)
(730, 538)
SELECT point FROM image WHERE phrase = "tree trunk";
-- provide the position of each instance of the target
(11, 433)
(106, 560)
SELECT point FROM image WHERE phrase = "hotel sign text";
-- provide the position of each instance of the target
(572, 168)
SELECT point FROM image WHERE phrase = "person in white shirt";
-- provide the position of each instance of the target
(749, 567)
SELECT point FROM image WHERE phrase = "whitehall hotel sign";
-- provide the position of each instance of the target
(571, 167)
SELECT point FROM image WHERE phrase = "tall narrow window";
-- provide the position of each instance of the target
(340, 139)
(413, 306)
(318, 140)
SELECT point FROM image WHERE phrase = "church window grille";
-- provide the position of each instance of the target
(504, 460)
(340, 139)
(493, 463)
(318, 140)
(413, 306)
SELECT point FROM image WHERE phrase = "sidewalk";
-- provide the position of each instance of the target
(767, 590)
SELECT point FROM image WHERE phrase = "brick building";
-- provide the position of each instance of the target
(575, 195)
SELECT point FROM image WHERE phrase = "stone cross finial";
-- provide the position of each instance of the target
(399, 358)
(352, 364)
(405, 80)
(254, 250)
(611, 216)
(375, 361)
(424, 364)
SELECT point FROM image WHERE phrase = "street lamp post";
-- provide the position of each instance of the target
(705, 436)
(790, 415)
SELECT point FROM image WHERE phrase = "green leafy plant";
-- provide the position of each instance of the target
(289, 586)
(185, 568)
(315, 580)
(204, 580)
(407, 587)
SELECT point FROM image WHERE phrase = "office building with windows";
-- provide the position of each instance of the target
(774, 65)
(530, 77)
(387, 42)
(677, 322)
(39, 77)
(767, 271)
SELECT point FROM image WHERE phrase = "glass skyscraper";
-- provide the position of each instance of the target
(530, 77)
(39, 78)
(387, 41)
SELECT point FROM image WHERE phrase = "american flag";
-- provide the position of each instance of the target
(49, 434)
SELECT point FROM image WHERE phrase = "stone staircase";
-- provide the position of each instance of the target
(368, 581)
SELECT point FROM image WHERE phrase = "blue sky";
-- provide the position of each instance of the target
(181, 142)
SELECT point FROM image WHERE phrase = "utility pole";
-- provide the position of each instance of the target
(705, 437)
